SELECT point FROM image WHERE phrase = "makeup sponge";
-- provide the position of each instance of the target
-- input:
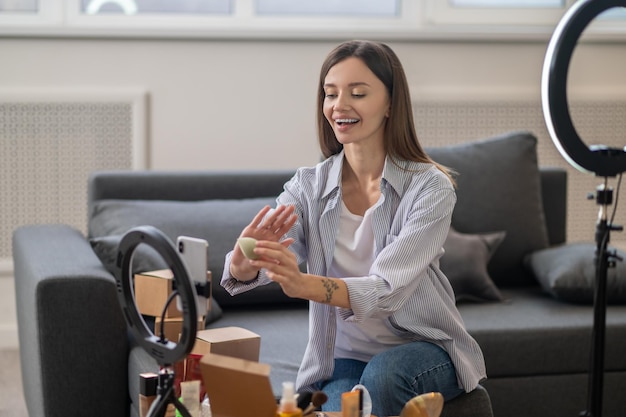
(247, 245)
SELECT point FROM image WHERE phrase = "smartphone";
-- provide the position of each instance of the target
(194, 253)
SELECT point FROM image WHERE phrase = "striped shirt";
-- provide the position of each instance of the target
(404, 286)
(355, 251)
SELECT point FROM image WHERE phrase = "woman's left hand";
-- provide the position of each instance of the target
(281, 266)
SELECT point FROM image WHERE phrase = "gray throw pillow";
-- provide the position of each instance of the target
(568, 272)
(499, 188)
(465, 264)
(218, 221)
(145, 257)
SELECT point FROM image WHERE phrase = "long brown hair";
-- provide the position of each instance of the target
(401, 141)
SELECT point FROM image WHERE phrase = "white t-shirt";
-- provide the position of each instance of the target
(355, 251)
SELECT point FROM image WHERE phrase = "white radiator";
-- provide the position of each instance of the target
(444, 117)
(51, 140)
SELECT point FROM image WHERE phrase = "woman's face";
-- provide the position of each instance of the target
(356, 102)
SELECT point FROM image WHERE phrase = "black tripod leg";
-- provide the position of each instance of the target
(180, 406)
(596, 372)
(158, 407)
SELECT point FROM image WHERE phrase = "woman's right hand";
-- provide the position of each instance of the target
(272, 227)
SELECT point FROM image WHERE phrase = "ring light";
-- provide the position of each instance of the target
(165, 352)
(599, 159)
(602, 160)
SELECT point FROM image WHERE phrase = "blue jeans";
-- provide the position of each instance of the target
(394, 377)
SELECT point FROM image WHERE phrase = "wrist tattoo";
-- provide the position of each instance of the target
(330, 287)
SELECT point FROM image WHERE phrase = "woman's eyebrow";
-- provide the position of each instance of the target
(355, 84)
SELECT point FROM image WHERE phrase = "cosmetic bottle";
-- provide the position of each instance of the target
(287, 406)
(205, 407)
(147, 392)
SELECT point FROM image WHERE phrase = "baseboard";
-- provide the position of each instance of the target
(8, 337)
(8, 320)
(6, 267)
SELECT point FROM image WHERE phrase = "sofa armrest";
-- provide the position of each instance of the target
(72, 335)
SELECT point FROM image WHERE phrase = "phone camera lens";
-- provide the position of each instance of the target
(181, 247)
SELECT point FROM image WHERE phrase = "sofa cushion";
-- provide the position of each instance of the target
(465, 264)
(568, 272)
(218, 221)
(498, 188)
(532, 333)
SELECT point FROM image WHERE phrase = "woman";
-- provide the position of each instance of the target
(370, 221)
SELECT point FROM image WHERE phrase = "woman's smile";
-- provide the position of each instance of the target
(356, 102)
(344, 125)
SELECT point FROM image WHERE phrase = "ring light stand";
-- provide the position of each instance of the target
(599, 159)
(165, 352)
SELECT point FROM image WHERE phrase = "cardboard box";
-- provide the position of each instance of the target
(173, 327)
(237, 387)
(229, 341)
(152, 289)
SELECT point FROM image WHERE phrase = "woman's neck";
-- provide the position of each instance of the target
(360, 181)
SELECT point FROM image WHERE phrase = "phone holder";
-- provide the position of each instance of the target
(164, 351)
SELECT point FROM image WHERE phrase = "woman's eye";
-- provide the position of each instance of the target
(358, 95)
(330, 95)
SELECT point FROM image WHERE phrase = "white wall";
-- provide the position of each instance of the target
(251, 104)
(235, 104)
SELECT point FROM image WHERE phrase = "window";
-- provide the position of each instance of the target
(496, 12)
(28, 16)
(296, 19)
(507, 3)
(26, 6)
(291, 19)
(380, 8)
(133, 7)
(516, 16)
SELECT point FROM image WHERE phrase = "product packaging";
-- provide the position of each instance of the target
(148, 383)
(350, 406)
(229, 341)
(288, 405)
(237, 387)
(193, 373)
(152, 290)
(147, 391)
(173, 327)
(190, 397)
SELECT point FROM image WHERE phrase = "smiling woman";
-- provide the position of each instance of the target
(369, 221)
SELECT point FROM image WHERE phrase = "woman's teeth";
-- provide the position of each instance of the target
(346, 121)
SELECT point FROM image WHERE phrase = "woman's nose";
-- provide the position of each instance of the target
(342, 102)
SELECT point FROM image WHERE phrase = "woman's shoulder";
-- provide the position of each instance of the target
(328, 168)
(421, 175)
(314, 179)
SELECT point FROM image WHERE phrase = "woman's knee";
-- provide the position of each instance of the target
(412, 370)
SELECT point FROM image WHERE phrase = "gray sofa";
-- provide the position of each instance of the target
(505, 258)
